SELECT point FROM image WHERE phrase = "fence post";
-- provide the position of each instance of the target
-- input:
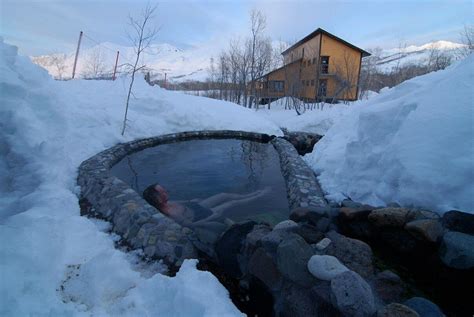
(77, 55)
(115, 67)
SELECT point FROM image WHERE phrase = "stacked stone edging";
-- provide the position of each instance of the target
(141, 226)
(301, 183)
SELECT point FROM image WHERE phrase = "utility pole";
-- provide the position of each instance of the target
(115, 67)
(77, 55)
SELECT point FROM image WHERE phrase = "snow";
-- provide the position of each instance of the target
(416, 55)
(55, 262)
(315, 121)
(191, 63)
(412, 144)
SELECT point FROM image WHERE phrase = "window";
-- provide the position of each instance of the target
(307, 83)
(302, 82)
(312, 82)
(324, 64)
(276, 86)
(314, 60)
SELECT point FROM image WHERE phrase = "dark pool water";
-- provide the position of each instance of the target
(202, 168)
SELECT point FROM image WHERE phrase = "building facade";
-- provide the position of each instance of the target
(321, 66)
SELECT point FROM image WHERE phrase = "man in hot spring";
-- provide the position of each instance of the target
(199, 214)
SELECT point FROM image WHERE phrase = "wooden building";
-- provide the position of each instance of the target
(321, 66)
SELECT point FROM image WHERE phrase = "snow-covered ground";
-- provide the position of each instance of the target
(412, 144)
(53, 261)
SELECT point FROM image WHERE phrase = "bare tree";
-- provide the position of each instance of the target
(59, 63)
(437, 59)
(141, 37)
(95, 64)
(258, 23)
(467, 38)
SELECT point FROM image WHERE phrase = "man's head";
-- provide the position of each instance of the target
(156, 196)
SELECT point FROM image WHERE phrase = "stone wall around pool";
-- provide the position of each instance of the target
(141, 226)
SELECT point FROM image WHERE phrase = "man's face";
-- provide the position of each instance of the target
(162, 194)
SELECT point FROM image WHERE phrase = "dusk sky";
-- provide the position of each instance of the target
(42, 27)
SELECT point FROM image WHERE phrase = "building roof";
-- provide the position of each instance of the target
(321, 31)
(280, 68)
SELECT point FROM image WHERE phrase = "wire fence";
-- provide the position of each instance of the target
(96, 60)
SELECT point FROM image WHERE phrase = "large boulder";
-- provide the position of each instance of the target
(325, 267)
(263, 266)
(425, 229)
(459, 221)
(292, 258)
(397, 310)
(272, 240)
(354, 254)
(285, 225)
(389, 287)
(424, 307)
(389, 217)
(297, 301)
(352, 296)
(457, 250)
(310, 215)
(229, 246)
(308, 232)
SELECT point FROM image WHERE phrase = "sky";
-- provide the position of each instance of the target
(48, 26)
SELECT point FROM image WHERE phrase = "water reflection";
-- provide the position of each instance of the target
(202, 168)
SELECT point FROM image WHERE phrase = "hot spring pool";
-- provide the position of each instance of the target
(202, 168)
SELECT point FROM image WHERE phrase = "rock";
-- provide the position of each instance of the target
(457, 250)
(272, 240)
(292, 258)
(425, 229)
(354, 254)
(424, 307)
(296, 301)
(351, 204)
(323, 244)
(309, 214)
(309, 233)
(389, 217)
(229, 246)
(389, 287)
(323, 224)
(397, 310)
(352, 296)
(459, 221)
(389, 276)
(325, 267)
(416, 214)
(285, 225)
(393, 205)
(263, 266)
(254, 236)
(349, 214)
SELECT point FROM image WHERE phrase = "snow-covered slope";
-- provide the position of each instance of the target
(412, 144)
(413, 54)
(55, 262)
(191, 63)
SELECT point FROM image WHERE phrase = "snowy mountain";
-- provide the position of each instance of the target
(179, 64)
(192, 63)
(387, 59)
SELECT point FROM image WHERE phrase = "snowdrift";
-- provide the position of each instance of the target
(55, 262)
(413, 144)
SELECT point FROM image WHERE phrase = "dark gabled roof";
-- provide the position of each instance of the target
(280, 68)
(321, 31)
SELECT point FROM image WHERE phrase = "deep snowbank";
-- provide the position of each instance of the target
(314, 120)
(55, 262)
(413, 144)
